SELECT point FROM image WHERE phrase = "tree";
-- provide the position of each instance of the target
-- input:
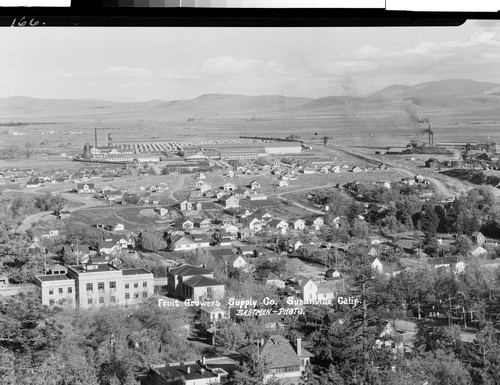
(463, 245)
(438, 368)
(152, 241)
(429, 222)
(131, 199)
(229, 336)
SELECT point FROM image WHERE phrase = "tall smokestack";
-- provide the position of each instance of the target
(95, 132)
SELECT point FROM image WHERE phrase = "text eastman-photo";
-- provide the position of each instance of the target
(248, 206)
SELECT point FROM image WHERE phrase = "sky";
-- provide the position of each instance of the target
(140, 64)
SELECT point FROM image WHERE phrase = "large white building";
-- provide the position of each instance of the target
(89, 285)
(284, 149)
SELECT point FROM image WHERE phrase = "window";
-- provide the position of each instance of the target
(144, 294)
(113, 299)
(127, 286)
(101, 300)
(90, 287)
(100, 286)
(127, 295)
(70, 290)
(89, 301)
(136, 285)
(136, 295)
(51, 292)
(112, 286)
(144, 284)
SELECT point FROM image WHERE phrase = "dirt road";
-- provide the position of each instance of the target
(314, 211)
(446, 186)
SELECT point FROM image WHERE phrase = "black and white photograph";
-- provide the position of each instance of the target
(250, 205)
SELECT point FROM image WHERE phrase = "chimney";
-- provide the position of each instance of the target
(203, 360)
(299, 346)
(188, 369)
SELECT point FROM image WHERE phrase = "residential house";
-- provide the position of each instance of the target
(253, 223)
(305, 288)
(202, 222)
(278, 224)
(63, 214)
(257, 197)
(282, 183)
(204, 188)
(246, 250)
(162, 211)
(449, 263)
(229, 186)
(188, 242)
(376, 264)
(210, 315)
(85, 188)
(297, 224)
(195, 283)
(235, 261)
(244, 233)
(316, 223)
(478, 251)
(267, 277)
(224, 241)
(186, 205)
(230, 230)
(287, 361)
(230, 202)
(76, 251)
(478, 238)
(203, 372)
(295, 245)
(184, 223)
(355, 169)
(220, 194)
(254, 185)
(4, 281)
(112, 196)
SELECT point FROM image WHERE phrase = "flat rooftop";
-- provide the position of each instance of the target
(93, 268)
(53, 277)
(135, 271)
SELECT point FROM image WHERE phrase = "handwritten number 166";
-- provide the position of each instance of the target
(23, 23)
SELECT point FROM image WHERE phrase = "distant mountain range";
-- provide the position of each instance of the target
(440, 93)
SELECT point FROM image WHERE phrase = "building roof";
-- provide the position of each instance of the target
(278, 351)
(135, 271)
(200, 281)
(53, 277)
(95, 268)
(196, 372)
(189, 270)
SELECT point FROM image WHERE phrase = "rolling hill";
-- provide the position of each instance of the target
(437, 94)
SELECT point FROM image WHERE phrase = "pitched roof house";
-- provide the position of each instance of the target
(286, 360)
